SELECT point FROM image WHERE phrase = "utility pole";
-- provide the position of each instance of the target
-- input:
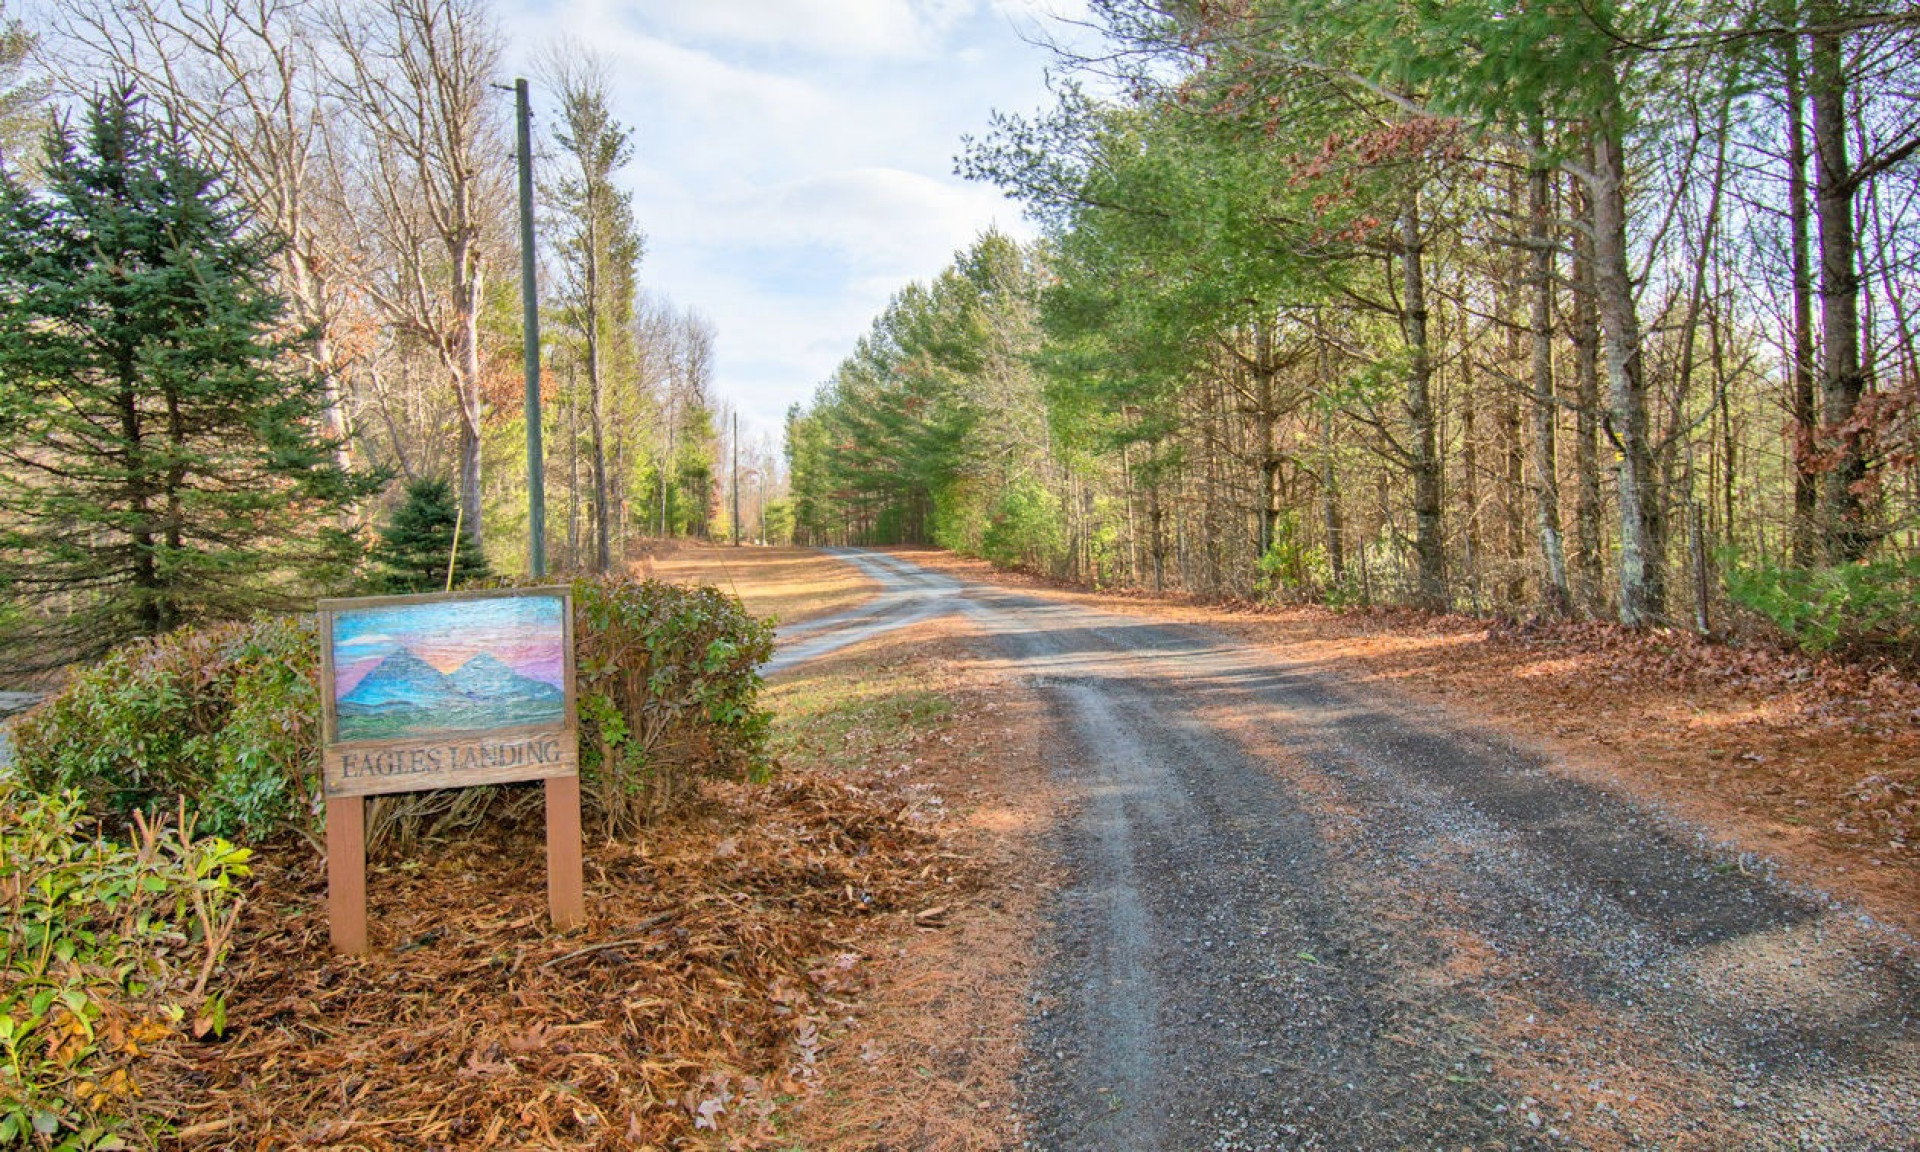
(530, 311)
(736, 479)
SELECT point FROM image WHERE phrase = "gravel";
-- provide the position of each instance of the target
(1300, 914)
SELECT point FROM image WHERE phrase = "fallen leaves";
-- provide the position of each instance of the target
(693, 1001)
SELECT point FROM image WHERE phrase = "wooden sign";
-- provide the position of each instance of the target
(447, 690)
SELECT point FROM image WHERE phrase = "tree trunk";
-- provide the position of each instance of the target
(1642, 591)
(1156, 522)
(1554, 597)
(1844, 534)
(1330, 502)
(1469, 485)
(1806, 419)
(466, 385)
(1430, 591)
(1585, 333)
(1266, 417)
(573, 475)
(1513, 489)
(596, 401)
(146, 575)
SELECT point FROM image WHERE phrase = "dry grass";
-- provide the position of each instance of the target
(789, 584)
(926, 1060)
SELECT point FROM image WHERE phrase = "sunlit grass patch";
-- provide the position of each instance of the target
(788, 584)
(835, 720)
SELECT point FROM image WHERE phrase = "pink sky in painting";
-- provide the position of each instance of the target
(534, 652)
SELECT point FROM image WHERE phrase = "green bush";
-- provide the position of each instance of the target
(668, 681)
(1869, 608)
(1290, 566)
(1024, 528)
(228, 718)
(108, 947)
(417, 544)
(225, 716)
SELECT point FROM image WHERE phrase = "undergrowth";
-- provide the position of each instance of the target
(110, 947)
(1868, 609)
(226, 719)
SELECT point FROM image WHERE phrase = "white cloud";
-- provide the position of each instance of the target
(877, 217)
(793, 158)
(821, 27)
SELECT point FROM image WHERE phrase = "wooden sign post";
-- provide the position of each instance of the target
(447, 691)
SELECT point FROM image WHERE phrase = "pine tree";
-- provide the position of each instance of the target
(161, 453)
(417, 544)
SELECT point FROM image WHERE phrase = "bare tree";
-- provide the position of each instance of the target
(242, 79)
(22, 113)
(414, 77)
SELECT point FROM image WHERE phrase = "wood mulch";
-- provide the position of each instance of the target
(688, 1010)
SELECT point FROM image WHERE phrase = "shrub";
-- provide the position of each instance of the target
(1862, 609)
(1024, 528)
(417, 544)
(228, 719)
(225, 716)
(108, 947)
(668, 681)
(1289, 566)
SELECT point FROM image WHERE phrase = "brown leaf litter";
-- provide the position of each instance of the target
(686, 1013)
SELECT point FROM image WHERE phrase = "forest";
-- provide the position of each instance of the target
(1591, 310)
(362, 157)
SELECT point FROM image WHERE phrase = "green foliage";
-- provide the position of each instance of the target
(1290, 565)
(921, 428)
(668, 682)
(777, 522)
(1024, 528)
(417, 544)
(166, 463)
(108, 947)
(598, 248)
(225, 717)
(1866, 608)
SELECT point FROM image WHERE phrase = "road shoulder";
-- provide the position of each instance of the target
(1812, 768)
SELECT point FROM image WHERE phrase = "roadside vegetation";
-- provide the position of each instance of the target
(132, 920)
(1587, 312)
(256, 347)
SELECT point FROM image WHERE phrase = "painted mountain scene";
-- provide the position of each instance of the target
(403, 671)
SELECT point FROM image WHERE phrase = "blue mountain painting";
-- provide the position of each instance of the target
(404, 696)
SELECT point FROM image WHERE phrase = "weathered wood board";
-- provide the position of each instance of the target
(447, 690)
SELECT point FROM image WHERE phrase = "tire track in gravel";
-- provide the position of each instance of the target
(908, 595)
(1300, 914)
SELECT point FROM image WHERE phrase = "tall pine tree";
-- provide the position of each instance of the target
(161, 452)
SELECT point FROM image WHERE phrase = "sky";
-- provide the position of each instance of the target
(523, 632)
(794, 158)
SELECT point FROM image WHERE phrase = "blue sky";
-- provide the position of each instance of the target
(794, 158)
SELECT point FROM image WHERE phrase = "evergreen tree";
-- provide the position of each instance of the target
(417, 545)
(161, 458)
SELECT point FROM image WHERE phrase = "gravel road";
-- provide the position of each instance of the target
(1301, 914)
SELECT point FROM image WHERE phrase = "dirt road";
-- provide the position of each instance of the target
(1300, 914)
